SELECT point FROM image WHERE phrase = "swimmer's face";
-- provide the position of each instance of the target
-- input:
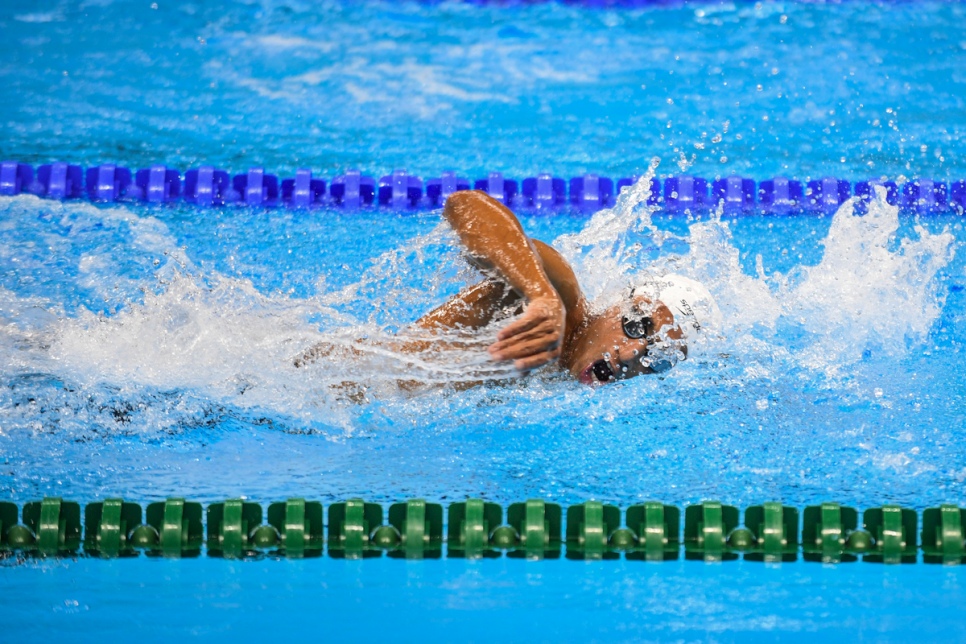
(603, 351)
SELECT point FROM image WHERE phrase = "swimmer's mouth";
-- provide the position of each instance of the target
(599, 372)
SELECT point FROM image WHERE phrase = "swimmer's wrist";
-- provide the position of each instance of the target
(543, 292)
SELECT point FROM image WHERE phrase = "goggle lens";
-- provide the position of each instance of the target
(637, 328)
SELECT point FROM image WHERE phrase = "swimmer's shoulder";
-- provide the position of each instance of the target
(562, 276)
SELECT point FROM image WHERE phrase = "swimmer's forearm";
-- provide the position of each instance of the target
(496, 242)
(471, 308)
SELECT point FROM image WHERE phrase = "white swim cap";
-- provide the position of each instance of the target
(690, 302)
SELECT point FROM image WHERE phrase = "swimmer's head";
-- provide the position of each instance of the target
(647, 331)
(691, 304)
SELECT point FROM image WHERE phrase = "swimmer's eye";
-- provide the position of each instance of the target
(637, 327)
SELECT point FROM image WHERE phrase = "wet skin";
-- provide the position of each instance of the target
(555, 322)
(602, 338)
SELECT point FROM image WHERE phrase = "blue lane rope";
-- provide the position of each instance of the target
(207, 186)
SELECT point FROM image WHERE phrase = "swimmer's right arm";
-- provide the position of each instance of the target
(496, 243)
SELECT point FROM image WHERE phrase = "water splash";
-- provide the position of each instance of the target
(872, 290)
(612, 250)
(198, 330)
(216, 342)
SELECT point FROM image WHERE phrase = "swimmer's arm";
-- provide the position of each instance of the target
(472, 308)
(475, 306)
(495, 243)
(564, 280)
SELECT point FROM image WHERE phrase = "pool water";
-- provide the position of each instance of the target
(857, 89)
(147, 352)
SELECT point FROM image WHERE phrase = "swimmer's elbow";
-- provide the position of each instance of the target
(458, 206)
(461, 199)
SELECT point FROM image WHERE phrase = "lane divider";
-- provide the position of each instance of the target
(207, 186)
(474, 528)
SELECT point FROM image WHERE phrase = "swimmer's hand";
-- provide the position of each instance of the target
(536, 337)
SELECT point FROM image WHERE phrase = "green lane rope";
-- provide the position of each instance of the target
(237, 528)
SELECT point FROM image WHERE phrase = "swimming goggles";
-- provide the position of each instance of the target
(638, 327)
(660, 357)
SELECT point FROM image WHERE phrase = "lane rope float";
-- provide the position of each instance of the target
(207, 186)
(534, 529)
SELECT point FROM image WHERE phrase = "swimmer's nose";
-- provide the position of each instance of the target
(626, 359)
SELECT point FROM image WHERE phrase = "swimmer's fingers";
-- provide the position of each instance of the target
(532, 356)
(529, 326)
(523, 324)
(542, 312)
(538, 360)
(537, 340)
(530, 352)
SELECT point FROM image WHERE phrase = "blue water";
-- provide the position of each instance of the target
(858, 89)
(148, 352)
(506, 599)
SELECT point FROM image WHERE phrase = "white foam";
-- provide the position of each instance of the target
(870, 291)
(603, 254)
(223, 340)
(220, 338)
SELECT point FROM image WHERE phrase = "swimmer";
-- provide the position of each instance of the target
(554, 323)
